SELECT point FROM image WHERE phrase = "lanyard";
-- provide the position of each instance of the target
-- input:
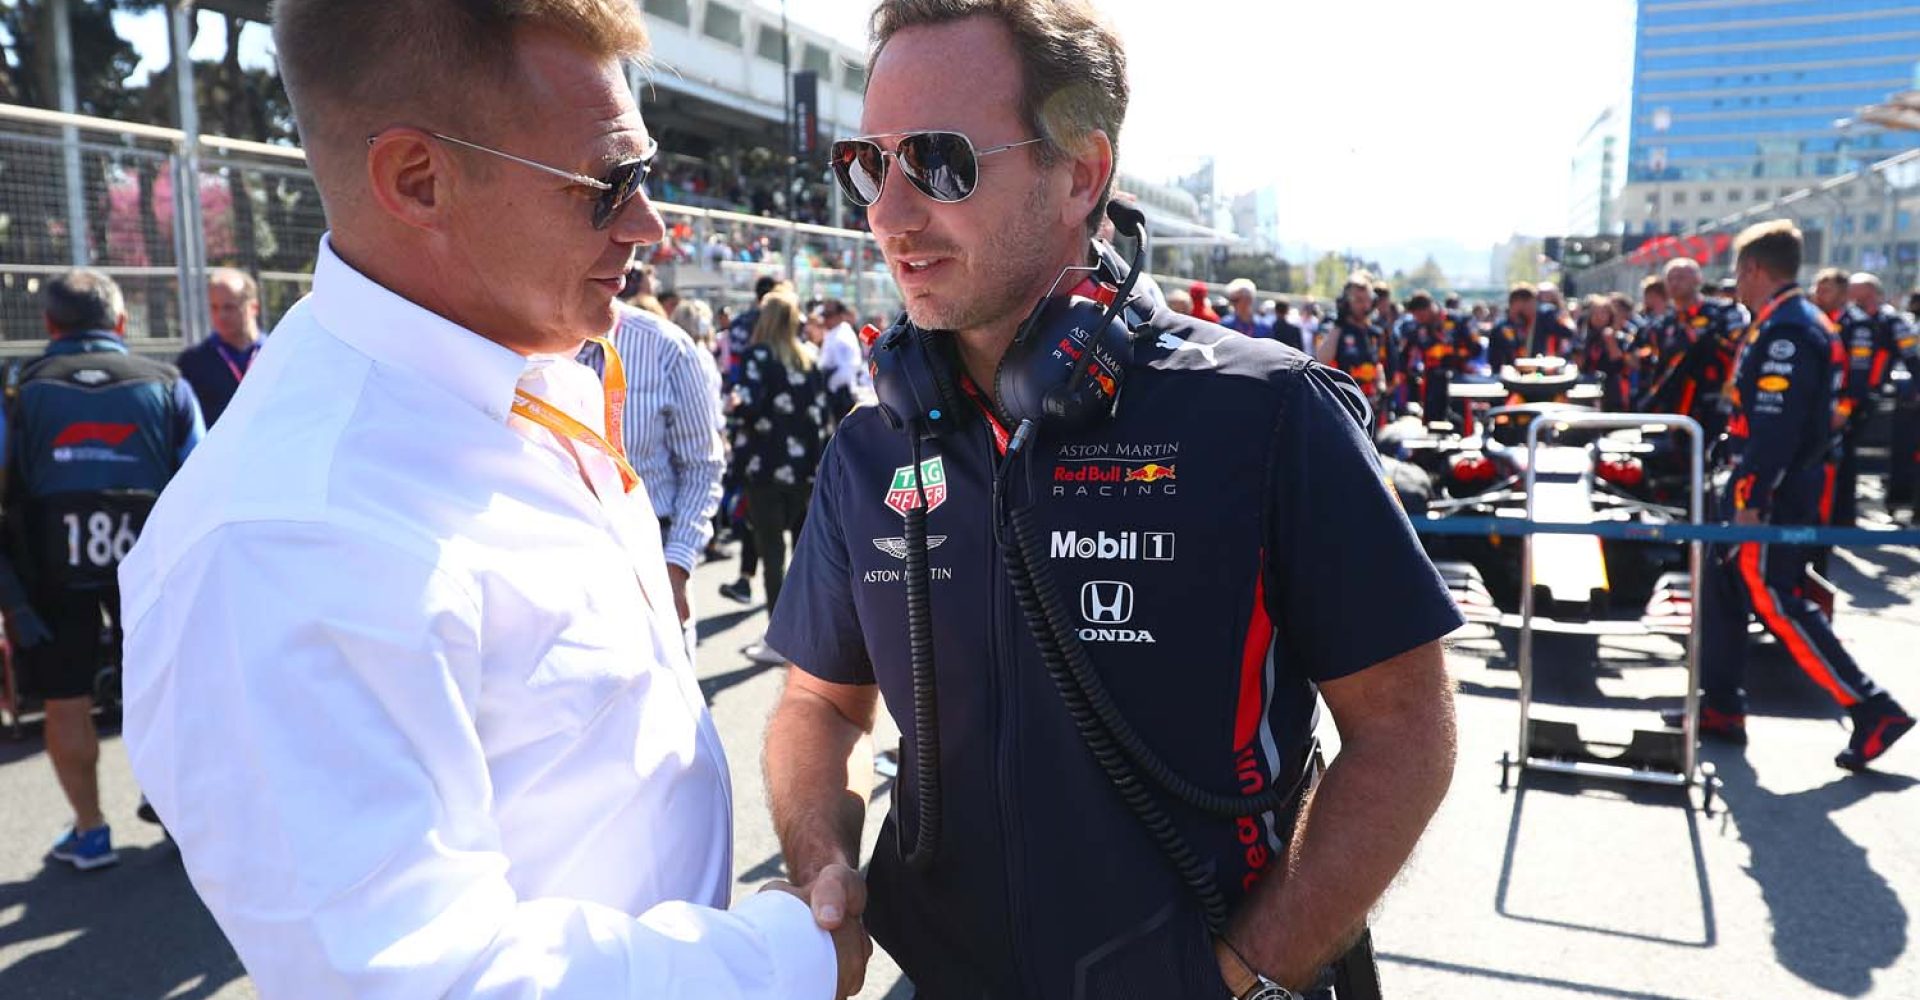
(1000, 435)
(239, 370)
(532, 408)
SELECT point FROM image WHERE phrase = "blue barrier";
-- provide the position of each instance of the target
(1633, 531)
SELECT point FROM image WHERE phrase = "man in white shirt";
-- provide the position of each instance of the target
(402, 669)
(845, 364)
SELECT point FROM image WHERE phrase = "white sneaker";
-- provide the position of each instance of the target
(763, 654)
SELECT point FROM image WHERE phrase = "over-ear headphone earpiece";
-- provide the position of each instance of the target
(1064, 369)
(912, 381)
(1068, 361)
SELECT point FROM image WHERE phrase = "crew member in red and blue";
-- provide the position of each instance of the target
(1874, 336)
(1439, 345)
(1512, 337)
(1604, 351)
(1779, 435)
(1696, 344)
(1357, 346)
(1553, 330)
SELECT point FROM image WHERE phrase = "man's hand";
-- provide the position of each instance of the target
(838, 898)
(1749, 516)
(678, 577)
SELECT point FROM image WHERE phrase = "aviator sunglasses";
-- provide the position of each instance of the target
(622, 182)
(942, 165)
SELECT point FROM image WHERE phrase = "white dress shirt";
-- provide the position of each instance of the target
(411, 695)
(844, 363)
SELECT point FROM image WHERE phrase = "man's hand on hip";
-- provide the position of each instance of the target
(838, 898)
(678, 578)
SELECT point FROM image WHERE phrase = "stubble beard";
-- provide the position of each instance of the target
(1005, 275)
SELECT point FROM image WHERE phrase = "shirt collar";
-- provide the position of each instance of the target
(87, 341)
(393, 331)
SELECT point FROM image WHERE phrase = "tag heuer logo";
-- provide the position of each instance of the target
(904, 494)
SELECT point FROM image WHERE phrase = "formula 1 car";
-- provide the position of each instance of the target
(1640, 475)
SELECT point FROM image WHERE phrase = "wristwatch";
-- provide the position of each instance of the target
(1266, 989)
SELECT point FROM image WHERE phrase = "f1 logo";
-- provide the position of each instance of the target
(1106, 602)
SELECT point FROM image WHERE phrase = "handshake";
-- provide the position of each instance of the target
(838, 897)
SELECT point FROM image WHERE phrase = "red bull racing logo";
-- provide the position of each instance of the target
(1117, 469)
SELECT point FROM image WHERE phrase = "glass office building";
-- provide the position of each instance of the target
(1727, 91)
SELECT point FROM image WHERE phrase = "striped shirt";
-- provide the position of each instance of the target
(672, 426)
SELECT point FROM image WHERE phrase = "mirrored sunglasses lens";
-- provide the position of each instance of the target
(860, 168)
(626, 179)
(940, 164)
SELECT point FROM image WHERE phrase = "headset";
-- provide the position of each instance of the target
(1064, 369)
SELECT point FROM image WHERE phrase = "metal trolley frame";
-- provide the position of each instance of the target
(1690, 771)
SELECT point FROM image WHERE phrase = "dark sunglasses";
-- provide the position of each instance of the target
(943, 166)
(622, 182)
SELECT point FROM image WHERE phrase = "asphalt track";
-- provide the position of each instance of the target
(1803, 885)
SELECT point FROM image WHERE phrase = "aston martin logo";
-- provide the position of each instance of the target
(897, 547)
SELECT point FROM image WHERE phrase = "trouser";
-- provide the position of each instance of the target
(775, 511)
(1846, 476)
(1765, 580)
(1435, 395)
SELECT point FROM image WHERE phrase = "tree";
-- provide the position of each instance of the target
(1267, 272)
(1428, 277)
(1523, 263)
(1329, 275)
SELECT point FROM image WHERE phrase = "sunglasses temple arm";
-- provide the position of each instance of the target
(592, 182)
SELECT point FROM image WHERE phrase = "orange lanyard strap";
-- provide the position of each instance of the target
(538, 411)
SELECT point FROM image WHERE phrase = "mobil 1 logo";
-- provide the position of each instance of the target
(1120, 546)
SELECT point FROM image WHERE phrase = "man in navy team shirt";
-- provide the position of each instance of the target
(1221, 543)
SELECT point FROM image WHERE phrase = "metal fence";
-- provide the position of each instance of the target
(76, 190)
(154, 211)
(1863, 220)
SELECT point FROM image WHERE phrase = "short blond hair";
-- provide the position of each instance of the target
(237, 281)
(352, 67)
(1238, 285)
(1774, 247)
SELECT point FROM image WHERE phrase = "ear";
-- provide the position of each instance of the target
(409, 175)
(1089, 172)
(120, 325)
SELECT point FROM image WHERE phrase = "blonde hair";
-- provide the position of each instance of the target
(695, 317)
(354, 66)
(1774, 247)
(779, 328)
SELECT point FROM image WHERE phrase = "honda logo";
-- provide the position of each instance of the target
(1106, 602)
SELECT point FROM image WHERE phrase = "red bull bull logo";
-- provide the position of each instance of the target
(1152, 472)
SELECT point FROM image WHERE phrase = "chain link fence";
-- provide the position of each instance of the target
(77, 190)
(110, 195)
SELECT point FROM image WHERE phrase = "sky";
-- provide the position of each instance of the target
(1392, 127)
(1382, 123)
